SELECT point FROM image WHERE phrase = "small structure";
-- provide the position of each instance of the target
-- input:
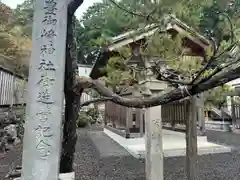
(129, 122)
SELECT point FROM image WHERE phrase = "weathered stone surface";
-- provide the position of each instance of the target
(153, 144)
(42, 136)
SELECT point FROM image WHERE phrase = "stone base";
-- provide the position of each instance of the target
(65, 176)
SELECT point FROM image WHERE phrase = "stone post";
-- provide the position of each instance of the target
(153, 144)
(128, 121)
(42, 137)
(191, 140)
(233, 114)
(200, 115)
(141, 111)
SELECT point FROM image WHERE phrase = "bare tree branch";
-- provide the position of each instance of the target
(214, 57)
(226, 75)
(172, 81)
(216, 48)
(218, 69)
(164, 78)
(231, 25)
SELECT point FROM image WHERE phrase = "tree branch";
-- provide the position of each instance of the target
(231, 25)
(214, 57)
(220, 78)
(172, 81)
(73, 6)
(218, 69)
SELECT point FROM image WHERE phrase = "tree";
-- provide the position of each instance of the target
(220, 64)
(193, 83)
(72, 99)
(15, 46)
(98, 24)
(201, 82)
(216, 96)
(24, 16)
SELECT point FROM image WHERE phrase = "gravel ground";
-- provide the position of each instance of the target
(116, 164)
(10, 160)
(225, 138)
(86, 158)
(99, 158)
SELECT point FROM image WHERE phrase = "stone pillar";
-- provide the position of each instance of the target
(233, 114)
(200, 115)
(229, 104)
(153, 144)
(128, 121)
(141, 112)
(42, 136)
(191, 140)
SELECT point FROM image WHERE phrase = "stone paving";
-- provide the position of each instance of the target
(174, 144)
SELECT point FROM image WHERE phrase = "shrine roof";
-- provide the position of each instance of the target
(196, 41)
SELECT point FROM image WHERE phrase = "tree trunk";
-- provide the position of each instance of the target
(71, 107)
(191, 141)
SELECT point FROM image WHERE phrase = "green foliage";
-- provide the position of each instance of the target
(23, 15)
(101, 21)
(89, 116)
(83, 120)
(15, 46)
(93, 113)
(210, 18)
(117, 73)
(161, 45)
(217, 96)
(105, 20)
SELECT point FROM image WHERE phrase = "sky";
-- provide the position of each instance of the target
(79, 12)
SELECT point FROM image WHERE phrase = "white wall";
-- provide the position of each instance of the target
(84, 71)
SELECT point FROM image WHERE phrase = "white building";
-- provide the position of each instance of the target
(84, 70)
